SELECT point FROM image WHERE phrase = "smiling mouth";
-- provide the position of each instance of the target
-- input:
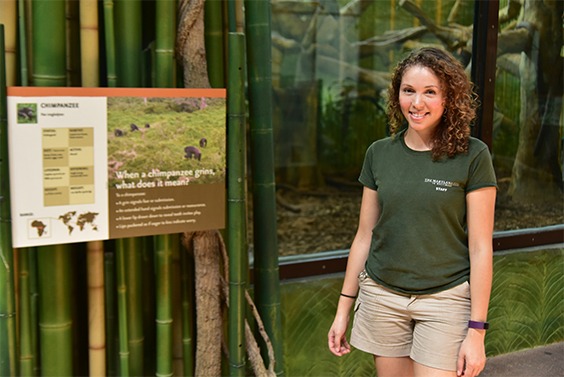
(417, 115)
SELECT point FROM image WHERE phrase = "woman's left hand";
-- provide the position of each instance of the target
(472, 355)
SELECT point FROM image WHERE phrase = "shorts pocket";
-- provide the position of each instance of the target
(357, 305)
(462, 291)
(361, 279)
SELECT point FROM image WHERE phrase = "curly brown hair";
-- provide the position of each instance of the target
(452, 134)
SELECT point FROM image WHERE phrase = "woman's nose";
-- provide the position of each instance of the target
(416, 102)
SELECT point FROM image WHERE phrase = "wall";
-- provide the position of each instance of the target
(525, 311)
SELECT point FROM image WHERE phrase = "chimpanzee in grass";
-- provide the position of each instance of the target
(193, 152)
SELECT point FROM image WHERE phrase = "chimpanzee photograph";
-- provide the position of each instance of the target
(159, 135)
(27, 113)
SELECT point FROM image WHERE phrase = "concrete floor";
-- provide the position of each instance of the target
(545, 361)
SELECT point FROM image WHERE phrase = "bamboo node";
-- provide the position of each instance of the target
(241, 365)
(163, 321)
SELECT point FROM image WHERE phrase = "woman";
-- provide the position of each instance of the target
(421, 260)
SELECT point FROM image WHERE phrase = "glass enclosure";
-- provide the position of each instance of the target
(331, 63)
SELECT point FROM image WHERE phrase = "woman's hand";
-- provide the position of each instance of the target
(472, 355)
(337, 339)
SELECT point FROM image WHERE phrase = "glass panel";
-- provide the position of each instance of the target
(527, 128)
(331, 65)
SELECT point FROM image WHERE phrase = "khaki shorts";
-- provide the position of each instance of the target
(427, 328)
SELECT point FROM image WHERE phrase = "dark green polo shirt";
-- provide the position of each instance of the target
(420, 244)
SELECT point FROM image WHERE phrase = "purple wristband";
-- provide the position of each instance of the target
(478, 325)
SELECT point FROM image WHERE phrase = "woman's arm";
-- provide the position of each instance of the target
(369, 213)
(480, 218)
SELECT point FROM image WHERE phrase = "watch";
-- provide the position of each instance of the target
(478, 325)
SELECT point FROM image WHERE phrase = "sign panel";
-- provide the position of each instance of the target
(99, 163)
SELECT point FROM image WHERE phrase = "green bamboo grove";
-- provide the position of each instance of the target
(127, 307)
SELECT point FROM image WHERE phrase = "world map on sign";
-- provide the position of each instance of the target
(72, 220)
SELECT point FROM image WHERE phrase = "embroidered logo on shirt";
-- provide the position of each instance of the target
(440, 184)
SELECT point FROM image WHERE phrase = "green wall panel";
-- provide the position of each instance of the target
(526, 310)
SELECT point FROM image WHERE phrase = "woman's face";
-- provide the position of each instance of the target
(421, 98)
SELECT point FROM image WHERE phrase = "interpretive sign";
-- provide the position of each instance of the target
(92, 164)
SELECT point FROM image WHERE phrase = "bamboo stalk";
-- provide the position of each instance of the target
(73, 43)
(110, 308)
(24, 72)
(8, 365)
(96, 326)
(15, 276)
(148, 300)
(27, 352)
(214, 41)
(176, 292)
(109, 37)
(235, 16)
(8, 18)
(165, 244)
(232, 16)
(135, 295)
(188, 311)
(55, 312)
(165, 41)
(34, 306)
(127, 22)
(49, 43)
(163, 250)
(95, 249)
(122, 308)
(267, 284)
(236, 203)
(128, 42)
(89, 43)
